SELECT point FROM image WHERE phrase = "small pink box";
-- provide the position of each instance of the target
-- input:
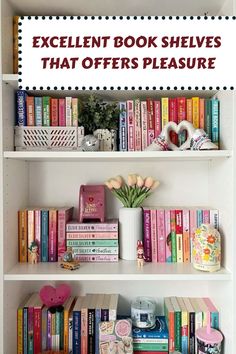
(92, 203)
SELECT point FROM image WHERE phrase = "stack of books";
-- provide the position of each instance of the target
(93, 242)
(152, 340)
(73, 330)
(142, 121)
(168, 232)
(47, 228)
(184, 316)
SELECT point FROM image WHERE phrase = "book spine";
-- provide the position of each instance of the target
(38, 111)
(206, 216)
(97, 321)
(44, 238)
(189, 110)
(202, 113)
(147, 235)
(156, 347)
(30, 330)
(184, 332)
(192, 333)
(52, 239)
(214, 313)
(131, 125)
(30, 230)
(193, 226)
(54, 112)
(169, 315)
(66, 331)
(58, 325)
(215, 121)
(214, 218)
(49, 325)
(164, 111)
(68, 112)
(37, 331)
(109, 227)
(137, 117)
(62, 112)
(21, 108)
(71, 335)
(97, 258)
(46, 111)
(168, 236)
(199, 217)
(95, 250)
(154, 235)
(20, 344)
(173, 117)
(173, 236)
(186, 236)
(104, 315)
(61, 339)
(179, 235)
(150, 340)
(30, 111)
(181, 113)
(44, 329)
(161, 245)
(208, 123)
(123, 140)
(63, 217)
(84, 331)
(22, 235)
(91, 331)
(144, 122)
(75, 111)
(177, 330)
(37, 232)
(92, 236)
(150, 122)
(157, 118)
(25, 330)
(92, 243)
(15, 44)
(53, 331)
(76, 332)
(195, 102)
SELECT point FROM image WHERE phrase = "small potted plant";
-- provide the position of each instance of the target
(101, 119)
(132, 195)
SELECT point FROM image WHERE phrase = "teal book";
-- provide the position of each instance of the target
(199, 217)
(46, 111)
(207, 123)
(215, 120)
(44, 235)
(92, 243)
(38, 111)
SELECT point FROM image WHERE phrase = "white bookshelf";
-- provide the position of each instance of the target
(48, 178)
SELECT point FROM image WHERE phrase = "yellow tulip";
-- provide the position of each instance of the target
(108, 184)
(115, 184)
(155, 185)
(140, 181)
(131, 180)
(119, 179)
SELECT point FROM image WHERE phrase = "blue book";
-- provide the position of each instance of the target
(25, 330)
(44, 235)
(159, 331)
(199, 217)
(76, 330)
(215, 120)
(38, 111)
(21, 116)
(123, 133)
(99, 303)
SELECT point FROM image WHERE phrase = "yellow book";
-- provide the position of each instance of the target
(189, 110)
(196, 118)
(68, 306)
(164, 111)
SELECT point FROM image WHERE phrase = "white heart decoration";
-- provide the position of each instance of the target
(178, 128)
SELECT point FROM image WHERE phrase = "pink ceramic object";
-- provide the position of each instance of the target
(53, 297)
(208, 339)
(92, 203)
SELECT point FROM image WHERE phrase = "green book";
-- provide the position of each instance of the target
(46, 111)
(207, 123)
(93, 243)
(58, 322)
(155, 347)
(177, 310)
(61, 330)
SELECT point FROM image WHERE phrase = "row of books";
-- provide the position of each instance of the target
(46, 111)
(184, 316)
(44, 228)
(75, 329)
(93, 242)
(142, 121)
(168, 232)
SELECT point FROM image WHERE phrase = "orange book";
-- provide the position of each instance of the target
(54, 112)
(201, 113)
(30, 111)
(189, 110)
(170, 317)
(68, 306)
(195, 101)
(15, 44)
(22, 235)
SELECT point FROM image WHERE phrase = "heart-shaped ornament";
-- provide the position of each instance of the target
(178, 129)
(52, 297)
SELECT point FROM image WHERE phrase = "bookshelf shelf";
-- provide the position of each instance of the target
(123, 270)
(117, 155)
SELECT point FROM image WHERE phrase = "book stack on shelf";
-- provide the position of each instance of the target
(168, 232)
(93, 242)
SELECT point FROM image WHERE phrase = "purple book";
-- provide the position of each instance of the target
(147, 235)
(49, 339)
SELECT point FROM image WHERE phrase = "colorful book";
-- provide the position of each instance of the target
(91, 323)
(15, 44)
(168, 236)
(30, 230)
(215, 120)
(206, 216)
(77, 324)
(68, 111)
(157, 118)
(154, 235)
(37, 325)
(99, 258)
(131, 125)
(170, 320)
(74, 111)
(20, 326)
(191, 324)
(181, 113)
(195, 102)
(184, 326)
(199, 217)
(198, 316)
(113, 304)
(62, 112)
(147, 235)
(99, 303)
(173, 236)
(68, 306)
(105, 308)
(54, 112)
(207, 117)
(189, 110)
(151, 347)
(92, 243)
(173, 117)
(108, 226)
(63, 216)
(123, 136)
(177, 311)
(186, 236)
(214, 218)
(161, 241)
(193, 227)
(30, 111)
(144, 126)
(22, 235)
(37, 230)
(52, 236)
(164, 111)
(204, 308)
(49, 337)
(94, 250)
(137, 129)
(202, 113)
(214, 313)
(44, 235)
(84, 326)
(46, 111)
(44, 328)
(159, 331)
(21, 115)
(150, 121)
(179, 235)
(38, 111)
(92, 235)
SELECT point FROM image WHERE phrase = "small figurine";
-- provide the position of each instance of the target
(90, 143)
(54, 298)
(140, 254)
(68, 261)
(33, 253)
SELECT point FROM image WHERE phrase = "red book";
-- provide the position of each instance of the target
(131, 125)
(37, 325)
(173, 118)
(150, 121)
(52, 240)
(54, 112)
(157, 117)
(30, 110)
(64, 215)
(62, 112)
(201, 113)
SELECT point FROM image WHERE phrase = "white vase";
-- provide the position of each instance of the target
(130, 231)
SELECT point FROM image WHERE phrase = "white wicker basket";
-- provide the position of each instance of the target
(48, 138)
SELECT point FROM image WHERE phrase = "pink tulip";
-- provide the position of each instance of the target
(108, 184)
(115, 184)
(140, 181)
(119, 179)
(155, 185)
(132, 180)
(148, 182)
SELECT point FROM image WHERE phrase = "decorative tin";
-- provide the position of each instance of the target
(143, 312)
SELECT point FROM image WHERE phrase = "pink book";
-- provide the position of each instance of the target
(131, 125)
(54, 112)
(186, 236)
(214, 312)
(150, 121)
(206, 216)
(173, 118)
(147, 242)
(168, 236)
(161, 242)
(62, 112)
(52, 239)
(37, 326)
(91, 235)
(49, 325)
(30, 111)
(154, 235)
(179, 235)
(201, 113)
(30, 229)
(144, 124)
(97, 258)
(157, 117)
(137, 129)
(64, 215)
(193, 226)
(37, 230)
